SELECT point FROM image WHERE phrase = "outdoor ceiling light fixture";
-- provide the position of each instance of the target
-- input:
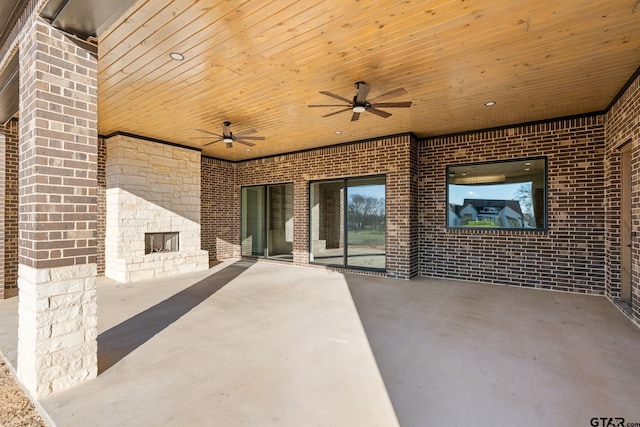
(177, 56)
(490, 103)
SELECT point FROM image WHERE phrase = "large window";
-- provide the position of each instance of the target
(348, 222)
(267, 221)
(498, 195)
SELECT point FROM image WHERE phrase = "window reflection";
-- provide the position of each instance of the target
(502, 195)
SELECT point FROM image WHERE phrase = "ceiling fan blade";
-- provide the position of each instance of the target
(245, 132)
(204, 137)
(406, 104)
(393, 93)
(212, 142)
(206, 131)
(337, 112)
(333, 95)
(253, 138)
(326, 105)
(377, 112)
(363, 91)
(244, 142)
(355, 117)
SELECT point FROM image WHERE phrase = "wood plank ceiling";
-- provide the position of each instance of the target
(258, 64)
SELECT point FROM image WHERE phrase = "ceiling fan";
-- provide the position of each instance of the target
(359, 104)
(229, 137)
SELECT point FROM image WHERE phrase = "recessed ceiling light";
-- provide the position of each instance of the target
(177, 56)
(338, 132)
(528, 164)
(490, 103)
(527, 169)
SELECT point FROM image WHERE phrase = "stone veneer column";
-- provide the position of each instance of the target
(9, 209)
(57, 331)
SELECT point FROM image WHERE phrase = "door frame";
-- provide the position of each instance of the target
(625, 223)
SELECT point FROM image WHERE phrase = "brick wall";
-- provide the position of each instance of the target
(3, 181)
(9, 210)
(101, 207)
(219, 205)
(570, 256)
(396, 157)
(414, 241)
(574, 254)
(612, 223)
(622, 125)
(57, 161)
(390, 156)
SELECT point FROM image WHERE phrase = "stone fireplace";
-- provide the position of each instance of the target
(153, 210)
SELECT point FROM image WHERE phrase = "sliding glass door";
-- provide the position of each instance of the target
(253, 219)
(327, 222)
(348, 222)
(267, 221)
(280, 221)
(366, 222)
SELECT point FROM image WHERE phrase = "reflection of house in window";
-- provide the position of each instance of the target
(521, 181)
(486, 213)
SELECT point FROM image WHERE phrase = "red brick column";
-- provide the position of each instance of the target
(9, 209)
(57, 332)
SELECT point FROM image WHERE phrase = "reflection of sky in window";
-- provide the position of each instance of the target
(376, 191)
(457, 193)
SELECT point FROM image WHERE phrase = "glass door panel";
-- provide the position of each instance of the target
(280, 221)
(366, 223)
(327, 223)
(252, 229)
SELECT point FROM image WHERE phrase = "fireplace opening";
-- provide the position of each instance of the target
(160, 242)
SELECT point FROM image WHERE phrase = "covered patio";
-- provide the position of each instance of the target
(265, 344)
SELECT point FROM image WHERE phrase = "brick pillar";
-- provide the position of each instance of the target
(414, 210)
(9, 209)
(57, 331)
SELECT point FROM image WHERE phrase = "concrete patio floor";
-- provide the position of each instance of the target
(256, 344)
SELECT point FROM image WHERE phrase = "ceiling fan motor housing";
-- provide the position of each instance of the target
(359, 103)
(359, 107)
